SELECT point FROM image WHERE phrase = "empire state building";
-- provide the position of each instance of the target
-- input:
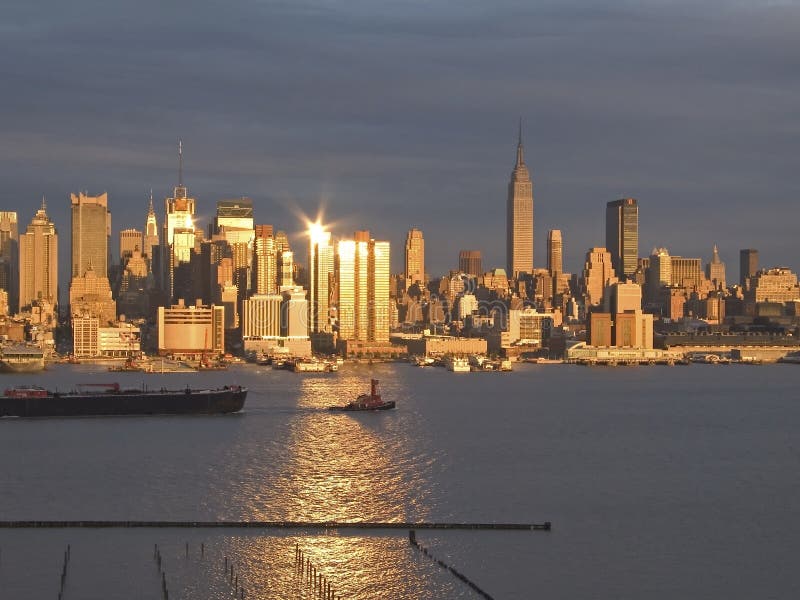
(519, 224)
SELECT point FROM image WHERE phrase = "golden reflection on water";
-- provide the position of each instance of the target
(339, 466)
(355, 567)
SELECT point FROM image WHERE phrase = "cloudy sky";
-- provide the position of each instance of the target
(392, 115)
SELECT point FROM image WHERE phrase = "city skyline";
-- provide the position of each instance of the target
(347, 125)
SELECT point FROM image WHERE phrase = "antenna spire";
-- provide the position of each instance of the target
(520, 149)
(44, 204)
(151, 200)
(180, 162)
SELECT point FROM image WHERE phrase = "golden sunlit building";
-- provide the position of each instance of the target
(415, 258)
(91, 229)
(38, 262)
(519, 217)
(622, 235)
(363, 276)
(320, 271)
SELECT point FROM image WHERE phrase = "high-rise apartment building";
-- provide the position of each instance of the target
(9, 258)
(622, 235)
(519, 217)
(748, 265)
(363, 276)
(470, 262)
(415, 258)
(38, 262)
(715, 270)
(320, 270)
(91, 230)
(265, 264)
(555, 253)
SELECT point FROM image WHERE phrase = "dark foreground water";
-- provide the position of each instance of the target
(660, 482)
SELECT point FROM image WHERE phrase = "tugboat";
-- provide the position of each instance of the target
(371, 401)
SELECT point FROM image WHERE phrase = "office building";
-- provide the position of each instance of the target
(415, 258)
(555, 253)
(748, 265)
(91, 230)
(261, 316)
(130, 240)
(320, 271)
(90, 295)
(470, 262)
(686, 272)
(9, 258)
(598, 272)
(38, 262)
(235, 216)
(150, 239)
(715, 270)
(191, 331)
(519, 217)
(777, 285)
(622, 235)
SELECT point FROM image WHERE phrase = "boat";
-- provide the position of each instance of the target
(21, 359)
(132, 365)
(457, 364)
(314, 366)
(371, 401)
(109, 399)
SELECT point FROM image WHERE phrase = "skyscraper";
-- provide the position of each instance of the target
(715, 270)
(598, 273)
(178, 238)
(519, 216)
(622, 235)
(748, 265)
(130, 240)
(150, 232)
(38, 262)
(415, 258)
(266, 262)
(9, 258)
(320, 269)
(363, 275)
(470, 262)
(555, 251)
(91, 229)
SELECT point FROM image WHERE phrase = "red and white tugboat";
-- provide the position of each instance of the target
(371, 401)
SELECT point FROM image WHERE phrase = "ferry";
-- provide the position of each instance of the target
(457, 364)
(21, 359)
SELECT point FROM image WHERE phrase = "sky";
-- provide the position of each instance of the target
(394, 115)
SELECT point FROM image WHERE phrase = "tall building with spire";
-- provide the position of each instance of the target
(178, 237)
(715, 270)
(415, 258)
(519, 216)
(622, 235)
(38, 262)
(91, 230)
(150, 232)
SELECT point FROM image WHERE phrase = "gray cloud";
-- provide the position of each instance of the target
(405, 114)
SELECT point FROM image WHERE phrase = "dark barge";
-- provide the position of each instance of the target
(94, 400)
